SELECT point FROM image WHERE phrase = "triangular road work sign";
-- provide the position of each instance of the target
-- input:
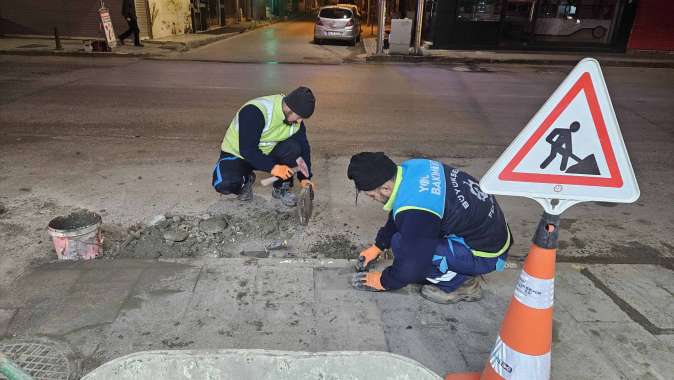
(571, 149)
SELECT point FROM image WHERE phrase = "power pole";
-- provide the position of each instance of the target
(368, 12)
(381, 25)
(417, 32)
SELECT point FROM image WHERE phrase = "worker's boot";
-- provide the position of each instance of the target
(246, 193)
(285, 194)
(469, 291)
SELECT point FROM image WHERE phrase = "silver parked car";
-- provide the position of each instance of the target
(338, 23)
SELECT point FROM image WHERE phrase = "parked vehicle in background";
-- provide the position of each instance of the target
(337, 23)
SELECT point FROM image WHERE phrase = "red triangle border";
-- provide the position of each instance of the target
(584, 83)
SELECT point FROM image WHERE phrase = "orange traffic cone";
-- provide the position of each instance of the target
(522, 349)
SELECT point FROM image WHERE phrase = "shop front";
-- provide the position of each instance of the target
(529, 24)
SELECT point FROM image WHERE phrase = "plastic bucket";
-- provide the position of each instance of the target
(77, 235)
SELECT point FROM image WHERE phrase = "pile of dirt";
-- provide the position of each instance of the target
(337, 246)
(188, 236)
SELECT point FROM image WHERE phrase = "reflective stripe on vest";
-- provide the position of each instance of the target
(274, 131)
(490, 255)
(535, 292)
(513, 365)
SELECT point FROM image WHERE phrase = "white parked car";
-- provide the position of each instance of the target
(337, 23)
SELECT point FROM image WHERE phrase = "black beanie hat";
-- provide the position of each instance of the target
(301, 101)
(369, 170)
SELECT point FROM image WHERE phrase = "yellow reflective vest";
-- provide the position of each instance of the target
(275, 130)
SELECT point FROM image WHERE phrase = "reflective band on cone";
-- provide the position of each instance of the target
(512, 365)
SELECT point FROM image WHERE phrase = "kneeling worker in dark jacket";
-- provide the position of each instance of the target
(442, 228)
(267, 134)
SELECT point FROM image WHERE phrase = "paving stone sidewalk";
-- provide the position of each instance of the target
(108, 308)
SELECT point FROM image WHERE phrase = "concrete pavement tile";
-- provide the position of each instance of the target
(333, 280)
(41, 288)
(351, 327)
(649, 290)
(276, 316)
(207, 333)
(166, 278)
(81, 340)
(334, 285)
(26, 321)
(281, 340)
(332, 326)
(435, 348)
(154, 310)
(217, 312)
(668, 341)
(631, 350)
(88, 304)
(476, 338)
(576, 294)
(6, 316)
(104, 274)
(571, 346)
(475, 360)
(501, 284)
(221, 288)
(289, 283)
(114, 264)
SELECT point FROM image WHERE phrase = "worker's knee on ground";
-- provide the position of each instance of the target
(286, 152)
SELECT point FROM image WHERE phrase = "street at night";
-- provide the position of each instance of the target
(182, 267)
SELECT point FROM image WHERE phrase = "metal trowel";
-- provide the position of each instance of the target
(305, 204)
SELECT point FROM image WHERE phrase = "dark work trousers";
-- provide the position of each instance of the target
(231, 172)
(133, 28)
(454, 263)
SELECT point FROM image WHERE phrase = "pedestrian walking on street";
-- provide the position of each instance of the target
(267, 134)
(129, 14)
(442, 228)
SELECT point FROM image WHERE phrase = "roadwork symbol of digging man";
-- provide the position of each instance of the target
(442, 228)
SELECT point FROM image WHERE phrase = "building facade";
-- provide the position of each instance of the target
(610, 25)
(156, 18)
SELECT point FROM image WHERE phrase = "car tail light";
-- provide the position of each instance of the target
(319, 22)
(350, 23)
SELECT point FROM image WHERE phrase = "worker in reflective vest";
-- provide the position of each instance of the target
(442, 228)
(267, 134)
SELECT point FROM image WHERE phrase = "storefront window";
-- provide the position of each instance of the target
(479, 10)
(575, 20)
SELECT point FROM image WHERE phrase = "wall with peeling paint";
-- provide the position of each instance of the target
(169, 17)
